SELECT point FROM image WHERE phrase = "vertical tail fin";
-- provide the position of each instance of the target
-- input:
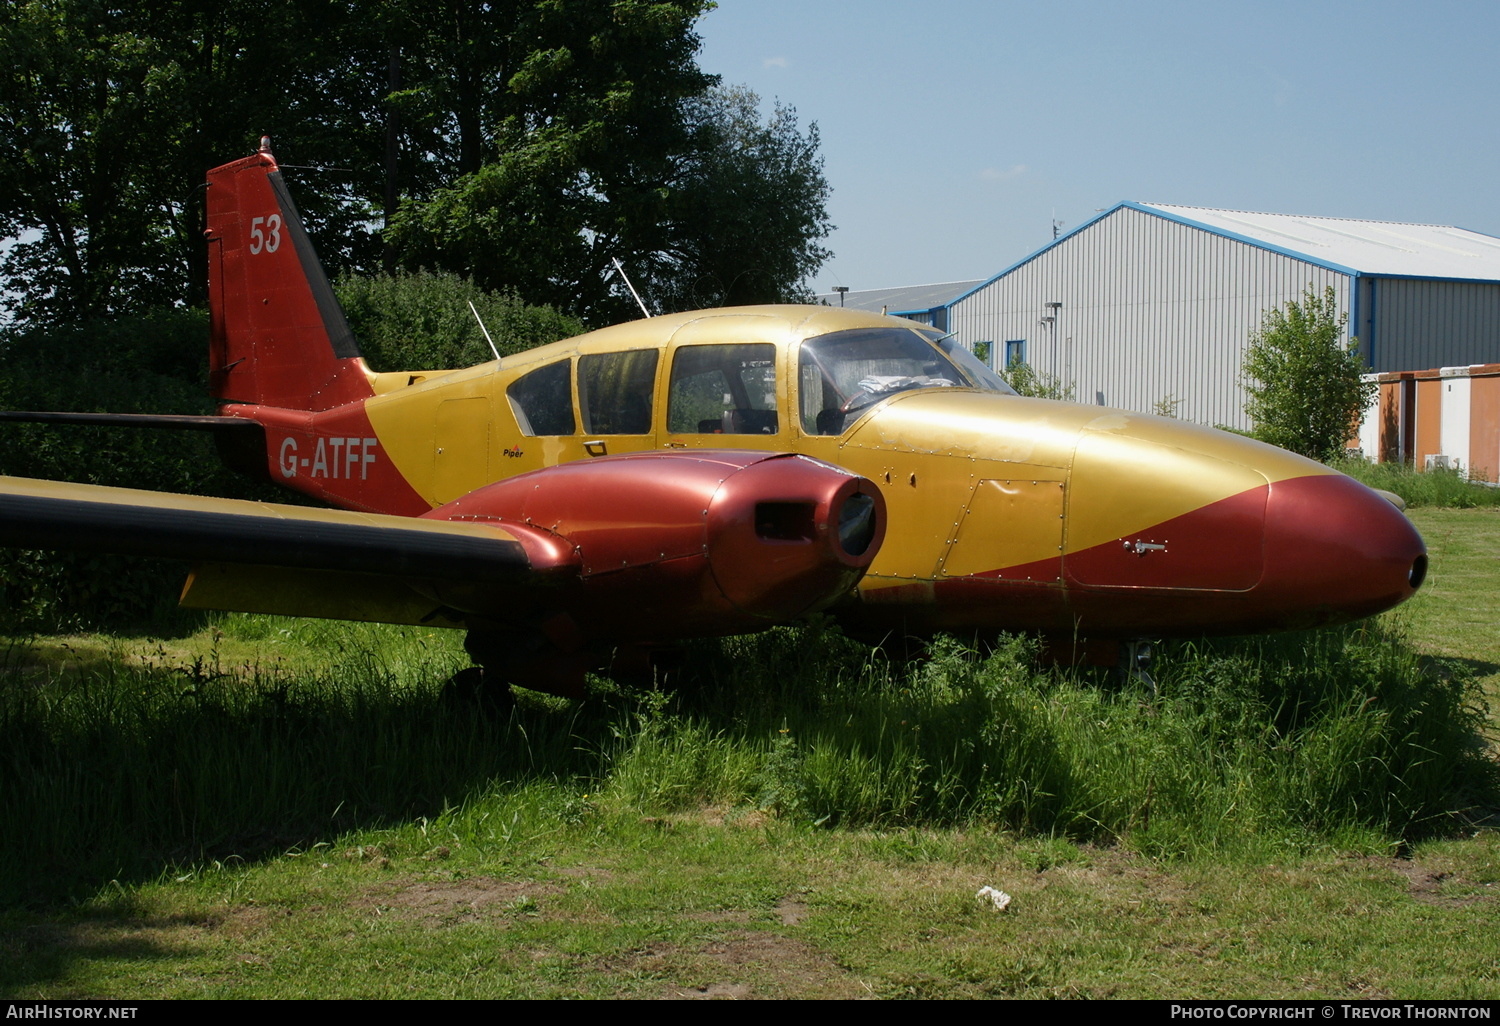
(278, 336)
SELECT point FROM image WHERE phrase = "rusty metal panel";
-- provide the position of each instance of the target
(1389, 449)
(1484, 428)
(1429, 421)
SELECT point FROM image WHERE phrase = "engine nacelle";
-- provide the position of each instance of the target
(677, 544)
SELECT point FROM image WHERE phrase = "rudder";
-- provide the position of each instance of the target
(277, 334)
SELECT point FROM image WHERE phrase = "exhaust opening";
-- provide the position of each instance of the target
(1418, 572)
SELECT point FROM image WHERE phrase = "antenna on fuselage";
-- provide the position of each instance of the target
(626, 279)
(484, 329)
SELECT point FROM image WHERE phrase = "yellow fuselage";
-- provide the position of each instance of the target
(1004, 512)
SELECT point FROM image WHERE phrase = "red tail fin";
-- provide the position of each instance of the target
(279, 337)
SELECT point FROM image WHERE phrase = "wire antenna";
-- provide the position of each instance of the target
(484, 329)
(626, 279)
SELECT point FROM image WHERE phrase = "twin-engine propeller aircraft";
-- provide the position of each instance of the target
(710, 473)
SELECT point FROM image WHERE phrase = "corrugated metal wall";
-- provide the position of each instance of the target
(1152, 311)
(1421, 324)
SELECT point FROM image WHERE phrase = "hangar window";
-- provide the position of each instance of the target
(615, 389)
(723, 389)
(543, 401)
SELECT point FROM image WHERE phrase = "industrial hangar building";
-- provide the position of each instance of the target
(925, 303)
(1150, 305)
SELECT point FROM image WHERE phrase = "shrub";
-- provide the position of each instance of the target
(1303, 380)
(150, 363)
(422, 321)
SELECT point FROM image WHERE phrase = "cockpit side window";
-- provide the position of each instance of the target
(615, 391)
(971, 365)
(542, 401)
(845, 371)
(723, 389)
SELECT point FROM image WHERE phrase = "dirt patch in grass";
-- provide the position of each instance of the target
(1115, 882)
(792, 910)
(249, 920)
(728, 915)
(446, 902)
(741, 965)
(1433, 885)
(789, 910)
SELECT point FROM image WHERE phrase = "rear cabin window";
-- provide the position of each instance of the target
(542, 401)
(615, 389)
(723, 389)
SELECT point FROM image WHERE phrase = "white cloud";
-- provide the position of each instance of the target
(992, 174)
(775, 62)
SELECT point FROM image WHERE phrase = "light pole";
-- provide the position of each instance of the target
(1065, 359)
(1054, 310)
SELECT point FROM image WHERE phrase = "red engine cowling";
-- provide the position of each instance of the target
(678, 544)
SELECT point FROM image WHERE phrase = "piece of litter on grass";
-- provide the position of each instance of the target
(999, 899)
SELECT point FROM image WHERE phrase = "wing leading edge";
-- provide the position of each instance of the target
(58, 515)
(265, 557)
(637, 547)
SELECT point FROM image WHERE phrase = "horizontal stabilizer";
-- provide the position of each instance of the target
(160, 421)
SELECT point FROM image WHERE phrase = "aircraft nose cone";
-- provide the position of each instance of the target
(1336, 551)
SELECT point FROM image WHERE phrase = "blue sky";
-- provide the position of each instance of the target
(954, 131)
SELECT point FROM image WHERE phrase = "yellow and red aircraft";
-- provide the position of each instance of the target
(711, 473)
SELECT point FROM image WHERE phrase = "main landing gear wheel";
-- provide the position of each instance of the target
(1136, 657)
(476, 688)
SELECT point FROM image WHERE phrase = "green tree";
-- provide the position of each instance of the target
(1303, 380)
(110, 114)
(1038, 384)
(522, 144)
(747, 208)
(422, 321)
(564, 133)
(703, 201)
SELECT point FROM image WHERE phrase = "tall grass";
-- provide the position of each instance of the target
(1340, 738)
(1446, 489)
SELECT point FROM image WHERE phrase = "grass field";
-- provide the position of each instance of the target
(278, 808)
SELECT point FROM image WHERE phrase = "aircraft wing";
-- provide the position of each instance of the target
(641, 546)
(59, 515)
(296, 560)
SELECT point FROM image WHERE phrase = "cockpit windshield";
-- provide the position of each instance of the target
(982, 376)
(845, 371)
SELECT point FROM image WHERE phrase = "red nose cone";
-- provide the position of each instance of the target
(1336, 551)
